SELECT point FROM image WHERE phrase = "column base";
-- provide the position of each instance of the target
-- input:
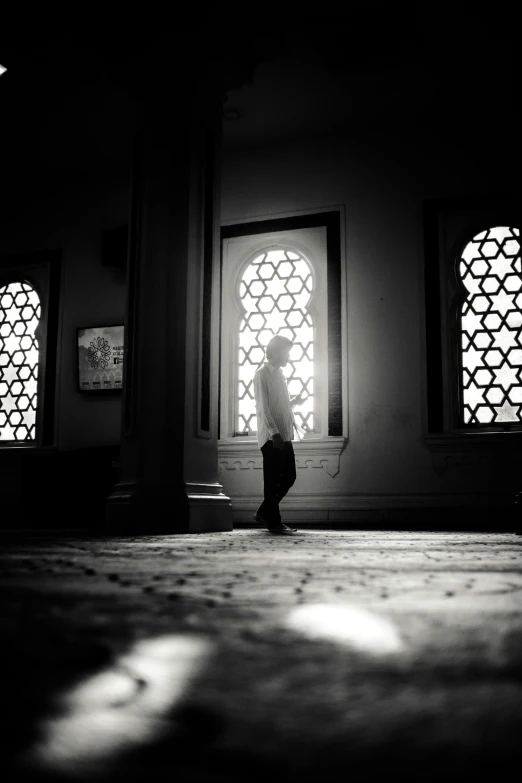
(135, 508)
(209, 509)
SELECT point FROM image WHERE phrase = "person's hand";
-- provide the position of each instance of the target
(278, 441)
(300, 399)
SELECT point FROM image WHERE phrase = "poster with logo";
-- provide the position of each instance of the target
(100, 358)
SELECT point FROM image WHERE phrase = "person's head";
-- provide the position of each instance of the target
(278, 350)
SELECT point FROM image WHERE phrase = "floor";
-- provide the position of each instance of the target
(241, 656)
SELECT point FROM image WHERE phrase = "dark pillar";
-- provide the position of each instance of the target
(168, 481)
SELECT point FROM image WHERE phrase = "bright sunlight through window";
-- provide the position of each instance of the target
(275, 290)
(20, 312)
(491, 335)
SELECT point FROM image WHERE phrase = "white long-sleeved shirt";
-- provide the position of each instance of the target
(273, 407)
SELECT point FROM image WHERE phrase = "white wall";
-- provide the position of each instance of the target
(381, 185)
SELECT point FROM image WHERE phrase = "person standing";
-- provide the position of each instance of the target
(275, 426)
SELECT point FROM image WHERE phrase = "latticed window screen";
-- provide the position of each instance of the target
(275, 290)
(20, 312)
(491, 333)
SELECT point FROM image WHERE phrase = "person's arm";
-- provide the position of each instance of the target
(261, 393)
(297, 400)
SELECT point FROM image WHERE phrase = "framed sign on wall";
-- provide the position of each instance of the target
(100, 358)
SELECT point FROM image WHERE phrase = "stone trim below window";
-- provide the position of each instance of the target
(311, 453)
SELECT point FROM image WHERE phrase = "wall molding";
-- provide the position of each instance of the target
(380, 500)
(318, 453)
(203, 490)
(339, 508)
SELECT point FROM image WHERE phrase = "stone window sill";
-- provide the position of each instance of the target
(244, 454)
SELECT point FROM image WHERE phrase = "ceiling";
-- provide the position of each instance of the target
(445, 69)
(68, 98)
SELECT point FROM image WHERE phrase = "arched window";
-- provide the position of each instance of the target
(275, 290)
(282, 276)
(490, 376)
(20, 311)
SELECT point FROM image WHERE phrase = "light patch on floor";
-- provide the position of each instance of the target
(122, 707)
(348, 625)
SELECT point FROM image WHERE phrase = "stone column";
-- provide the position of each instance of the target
(168, 481)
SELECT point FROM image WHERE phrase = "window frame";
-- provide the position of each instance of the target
(448, 225)
(335, 344)
(42, 270)
(456, 358)
(316, 308)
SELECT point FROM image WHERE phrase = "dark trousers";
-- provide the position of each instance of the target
(278, 476)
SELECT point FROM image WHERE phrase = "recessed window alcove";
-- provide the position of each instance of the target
(283, 276)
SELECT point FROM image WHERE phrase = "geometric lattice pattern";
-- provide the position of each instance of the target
(275, 290)
(20, 312)
(491, 328)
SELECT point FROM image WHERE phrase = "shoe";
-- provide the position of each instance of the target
(261, 520)
(282, 529)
